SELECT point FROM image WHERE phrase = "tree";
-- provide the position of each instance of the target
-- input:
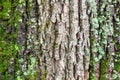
(66, 40)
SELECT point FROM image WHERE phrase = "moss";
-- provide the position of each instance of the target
(117, 66)
(91, 60)
(51, 7)
(31, 77)
(43, 76)
(117, 62)
(103, 67)
(8, 36)
(43, 1)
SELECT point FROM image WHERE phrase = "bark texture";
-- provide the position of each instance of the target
(65, 35)
(64, 40)
(58, 32)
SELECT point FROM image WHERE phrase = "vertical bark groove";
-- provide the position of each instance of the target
(65, 34)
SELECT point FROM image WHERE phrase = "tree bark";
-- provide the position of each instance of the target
(63, 40)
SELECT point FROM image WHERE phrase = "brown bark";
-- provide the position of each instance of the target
(58, 34)
(59, 39)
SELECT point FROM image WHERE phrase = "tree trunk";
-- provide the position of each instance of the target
(62, 40)
(59, 34)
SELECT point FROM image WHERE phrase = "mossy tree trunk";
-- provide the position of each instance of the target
(58, 34)
(62, 40)
(70, 39)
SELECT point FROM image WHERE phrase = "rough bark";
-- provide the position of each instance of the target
(67, 38)
(58, 34)
(59, 38)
